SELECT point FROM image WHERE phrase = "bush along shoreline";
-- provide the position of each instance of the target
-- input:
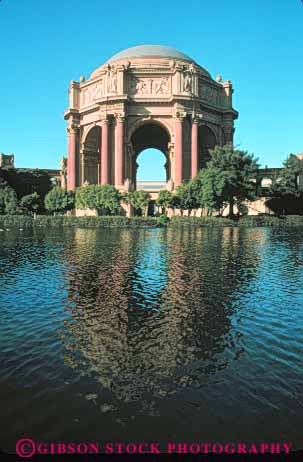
(8, 222)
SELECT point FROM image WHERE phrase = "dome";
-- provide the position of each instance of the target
(157, 51)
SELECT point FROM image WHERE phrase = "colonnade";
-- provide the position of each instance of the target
(105, 152)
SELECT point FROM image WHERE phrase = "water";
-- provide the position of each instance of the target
(154, 335)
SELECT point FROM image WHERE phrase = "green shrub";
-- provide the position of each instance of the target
(162, 220)
(15, 221)
(58, 200)
(47, 221)
(294, 220)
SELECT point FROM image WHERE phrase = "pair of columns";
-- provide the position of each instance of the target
(179, 149)
(105, 153)
(73, 149)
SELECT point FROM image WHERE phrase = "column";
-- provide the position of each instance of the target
(104, 164)
(119, 152)
(178, 151)
(194, 148)
(72, 157)
(228, 134)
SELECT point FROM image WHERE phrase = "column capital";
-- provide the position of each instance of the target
(120, 117)
(180, 116)
(104, 120)
(196, 118)
(73, 128)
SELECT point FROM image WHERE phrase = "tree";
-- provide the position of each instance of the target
(58, 200)
(229, 177)
(30, 203)
(187, 196)
(287, 182)
(286, 192)
(210, 189)
(104, 198)
(164, 200)
(139, 200)
(8, 201)
(26, 181)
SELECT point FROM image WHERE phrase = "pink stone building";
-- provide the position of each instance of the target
(149, 96)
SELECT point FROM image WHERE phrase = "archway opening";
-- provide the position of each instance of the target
(91, 156)
(150, 161)
(207, 141)
(151, 166)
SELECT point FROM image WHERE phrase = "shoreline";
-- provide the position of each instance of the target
(47, 221)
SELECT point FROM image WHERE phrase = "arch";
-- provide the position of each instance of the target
(91, 155)
(149, 134)
(140, 122)
(86, 131)
(206, 140)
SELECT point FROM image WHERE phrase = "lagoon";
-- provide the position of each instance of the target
(188, 334)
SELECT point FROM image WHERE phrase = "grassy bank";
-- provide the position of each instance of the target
(43, 221)
(248, 221)
(202, 221)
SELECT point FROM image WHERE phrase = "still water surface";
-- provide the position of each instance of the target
(181, 335)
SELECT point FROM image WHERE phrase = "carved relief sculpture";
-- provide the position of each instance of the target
(144, 86)
(209, 94)
(90, 94)
(162, 86)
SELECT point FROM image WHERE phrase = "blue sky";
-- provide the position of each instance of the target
(257, 44)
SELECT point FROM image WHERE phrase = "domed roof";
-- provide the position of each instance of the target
(157, 51)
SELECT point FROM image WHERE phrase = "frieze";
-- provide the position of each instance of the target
(209, 94)
(211, 118)
(92, 93)
(148, 86)
(152, 70)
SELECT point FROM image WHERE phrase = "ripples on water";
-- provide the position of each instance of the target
(174, 333)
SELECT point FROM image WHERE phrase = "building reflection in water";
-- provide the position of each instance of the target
(151, 309)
